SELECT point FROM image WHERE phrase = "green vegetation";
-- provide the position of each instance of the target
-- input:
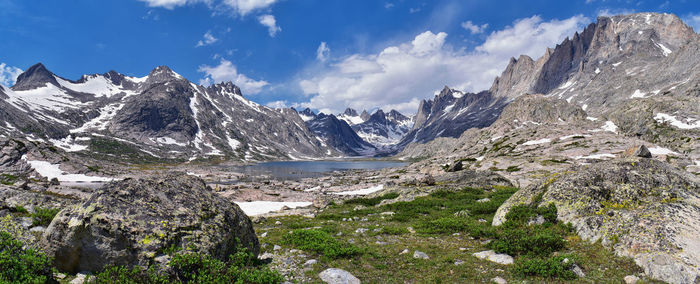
(188, 267)
(513, 169)
(43, 216)
(8, 179)
(19, 265)
(448, 225)
(321, 242)
(372, 201)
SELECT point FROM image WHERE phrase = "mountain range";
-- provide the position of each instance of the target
(636, 71)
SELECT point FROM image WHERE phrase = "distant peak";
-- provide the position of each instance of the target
(34, 77)
(163, 74)
(350, 112)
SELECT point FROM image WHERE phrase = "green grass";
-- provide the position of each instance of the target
(372, 201)
(448, 225)
(8, 179)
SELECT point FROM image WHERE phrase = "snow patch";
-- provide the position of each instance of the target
(567, 84)
(595, 157)
(68, 144)
(537, 142)
(661, 151)
(637, 94)
(362, 191)
(662, 118)
(51, 171)
(253, 208)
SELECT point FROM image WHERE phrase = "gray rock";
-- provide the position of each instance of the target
(338, 276)
(638, 151)
(128, 222)
(310, 262)
(631, 279)
(627, 204)
(492, 256)
(455, 167)
(458, 262)
(276, 247)
(498, 280)
(420, 254)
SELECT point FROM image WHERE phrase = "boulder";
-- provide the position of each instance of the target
(644, 209)
(131, 222)
(638, 151)
(338, 276)
(455, 167)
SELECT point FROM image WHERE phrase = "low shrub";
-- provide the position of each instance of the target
(19, 265)
(43, 216)
(321, 242)
(553, 267)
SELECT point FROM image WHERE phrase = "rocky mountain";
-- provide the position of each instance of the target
(452, 112)
(384, 129)
(161, 115)
(352, 117)
(339, 135)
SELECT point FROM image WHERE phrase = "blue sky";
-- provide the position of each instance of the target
(326, 54)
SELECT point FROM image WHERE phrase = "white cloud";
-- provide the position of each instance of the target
(388, 5)
(323, 52)
(414, 10)
(241, 7)
(167, 4)
(244, 7)
(208, 39)
(401, 75)
(612, 12)
(693, 20)
(8, 74)
(474, 29)
(271, 24)
(278, 104)
(226, 71)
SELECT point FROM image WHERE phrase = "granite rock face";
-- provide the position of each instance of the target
(642, 208)
(132, 222)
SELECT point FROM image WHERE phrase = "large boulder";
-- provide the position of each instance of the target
(642, 208)
(134, 221)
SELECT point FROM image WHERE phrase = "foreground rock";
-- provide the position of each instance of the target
(643, 208)
(133, 221)
(338, 276)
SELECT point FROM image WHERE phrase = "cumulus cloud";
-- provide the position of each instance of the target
(244, 7)
(612, 12)
(225, 72)
(323, 52)
(474, 29)
(8, 74)
(207, 40)
(271, 24)
(400, 76)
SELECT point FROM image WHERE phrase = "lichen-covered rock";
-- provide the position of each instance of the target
(642, 208)
(638, 151)
(134, 221)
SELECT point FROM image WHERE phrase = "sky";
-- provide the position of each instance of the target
(322, 54)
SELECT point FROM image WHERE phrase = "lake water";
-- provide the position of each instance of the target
(305, 169)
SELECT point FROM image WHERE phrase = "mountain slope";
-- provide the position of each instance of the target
(339, 135)
(162, 115)
(384, 129)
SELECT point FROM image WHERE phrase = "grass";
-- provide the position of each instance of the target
(43, 216)
(8, 179)
(448, 225)
(20, 265)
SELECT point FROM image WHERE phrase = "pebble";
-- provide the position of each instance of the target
(420, 254)
(310, 262)
(405, 251)
(459, 262)
(278, 223)
(361, 231)
(263, 235)
(411, 230)
(498, 280)
(276, 247)
(462, 249)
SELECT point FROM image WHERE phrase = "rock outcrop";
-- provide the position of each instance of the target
(642, 208)
(134, 221)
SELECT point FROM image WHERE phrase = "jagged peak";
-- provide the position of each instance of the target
(350, 112)
(35, 76)
(163, 73)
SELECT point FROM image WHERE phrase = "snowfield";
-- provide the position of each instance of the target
(253, 208)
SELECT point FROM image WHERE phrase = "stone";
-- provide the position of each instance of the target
(361, 230)
(578, 271)
(310, 262)
(640, 207)
(455, 167)
(338, 276)
(498, 280)
(631, 279)
(420, 254)
(405, 251)
(492, 256)
(638, 151)
(458, 262)
(130, 221)
(276, 247)
(427, 180)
